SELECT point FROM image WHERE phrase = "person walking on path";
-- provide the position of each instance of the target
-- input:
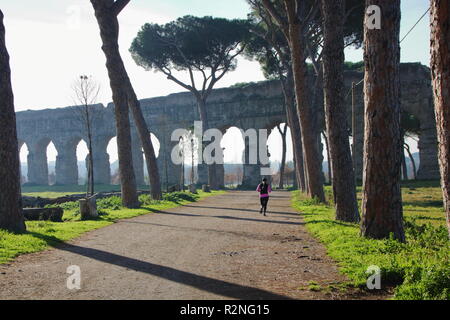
(264, 189)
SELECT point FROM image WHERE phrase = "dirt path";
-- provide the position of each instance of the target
(217, 248)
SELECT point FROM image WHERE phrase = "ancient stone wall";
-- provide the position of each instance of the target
(258, 106)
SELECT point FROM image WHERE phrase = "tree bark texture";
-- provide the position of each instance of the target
(283, 155)
(440, 64)
(11, 216)
(342, 174)
(212, 174)
(310, 147)
(293, 122)
(382, 212)
(124, 98)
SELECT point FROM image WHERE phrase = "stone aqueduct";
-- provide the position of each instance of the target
(258, 106)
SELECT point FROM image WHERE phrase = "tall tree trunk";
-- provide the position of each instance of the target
(294, 175)
(300, 164)
(90, 190)
(212, 179)
(106, 14)
(413, 162)
(11, 217)
(146, 141)
(382, 200)
(182, 164)
(283, 155)
(310, 147)
(440, 61)
(341, 174)
(305, 170)
(192, 160)
(293, 122)
(404, 168)
(330, 176)
(164, 154)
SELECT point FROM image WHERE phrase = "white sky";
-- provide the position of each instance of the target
(51, 42)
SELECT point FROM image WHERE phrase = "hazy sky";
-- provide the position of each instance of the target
(51, 42)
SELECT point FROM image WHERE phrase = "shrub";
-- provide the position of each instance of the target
(111, 203)
(428, 283)
(180, 196)
(146, 200)
(65, 206)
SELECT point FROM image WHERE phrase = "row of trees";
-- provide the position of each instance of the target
(287, 33)
(282, 35)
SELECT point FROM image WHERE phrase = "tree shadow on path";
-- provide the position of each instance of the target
(211, 285)
(241, 209)
(229, 217)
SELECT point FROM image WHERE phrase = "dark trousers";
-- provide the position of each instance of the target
(264, 202)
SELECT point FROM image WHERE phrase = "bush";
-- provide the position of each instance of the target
(65, 206)
(146, 200)
(111, 203)
(428, 283)
(115, 202)
(180, 196)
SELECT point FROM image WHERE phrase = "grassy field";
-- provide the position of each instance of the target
(422, 201)
(42, 234)
(56, 191)
(417, 269)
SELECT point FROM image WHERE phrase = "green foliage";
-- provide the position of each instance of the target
(314, 286)
(418, 269)
(410, 123)
(354, 66)
(56, 191)
(260, 47)
(428, 283)
(111, 203)
(146, 200)
(309, 202)
(65, 206)
(267, 43)
(189, 42)
(178, 197)
(245, 84)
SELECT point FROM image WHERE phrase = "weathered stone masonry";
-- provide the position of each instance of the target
(258, 106)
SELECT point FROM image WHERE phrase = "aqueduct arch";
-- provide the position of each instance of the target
(256, 106)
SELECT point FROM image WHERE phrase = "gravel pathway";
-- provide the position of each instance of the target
(217, 248)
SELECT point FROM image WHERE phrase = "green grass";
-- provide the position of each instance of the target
(422, 201)
(42, 234)
(56, 191)
(417, 269)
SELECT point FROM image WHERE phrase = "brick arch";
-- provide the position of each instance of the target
(258, 105)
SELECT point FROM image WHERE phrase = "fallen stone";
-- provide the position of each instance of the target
(88, 208)
(192, 188)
